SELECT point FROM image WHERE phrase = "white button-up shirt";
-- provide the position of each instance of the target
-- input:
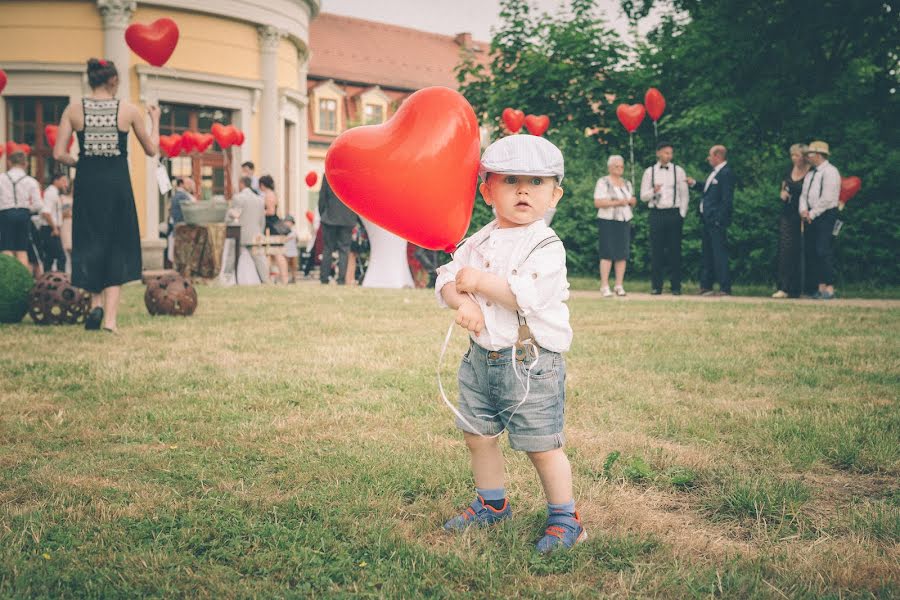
(821, 190)
(52, 206)
(27, 191)
(669, 196)
(605, 190)
(537, 279)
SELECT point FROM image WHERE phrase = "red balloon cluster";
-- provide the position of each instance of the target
(155, 42)
(514, 119)
(414, 175)
(192, 141)
(632, 115)
(311, 178)
(849, 188)
(12, 148)
(50, 132)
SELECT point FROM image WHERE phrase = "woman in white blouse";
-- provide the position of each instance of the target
(613, 198)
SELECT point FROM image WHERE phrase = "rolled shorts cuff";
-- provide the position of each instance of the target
(481, 427)
(537, 443)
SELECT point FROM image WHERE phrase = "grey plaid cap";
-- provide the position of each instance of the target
(522, 154)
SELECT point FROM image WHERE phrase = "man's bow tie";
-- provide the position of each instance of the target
(664, 168)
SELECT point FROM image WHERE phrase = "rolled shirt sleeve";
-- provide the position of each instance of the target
(831, 192)
(447, 273)
(684, 195)
(541, 280)
(647, 192)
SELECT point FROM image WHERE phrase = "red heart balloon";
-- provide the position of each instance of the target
(155, 42)
(849, 187)
(189, 141)
(222, 135)
(630, 115)
(170, 144)
(239, 137)
(655, 103)
(311, 178)
(310, 216)
(414, 175)
(537, 125)
(50, 132)
(513, 119)
(3, 80)
(12, 148)
(202, 141)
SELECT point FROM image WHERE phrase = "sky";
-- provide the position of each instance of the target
(454, 16)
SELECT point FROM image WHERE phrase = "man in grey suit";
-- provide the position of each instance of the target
(249, 209)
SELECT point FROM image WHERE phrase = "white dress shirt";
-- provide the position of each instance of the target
(537, 278)
(605, 190)
(669, 196)
(52, 206)
(821, 190)
(27, 191)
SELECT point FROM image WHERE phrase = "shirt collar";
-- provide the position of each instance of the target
(720, 166)
(659, 165)
(16, 170)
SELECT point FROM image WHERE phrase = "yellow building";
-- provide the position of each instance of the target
(237, 61)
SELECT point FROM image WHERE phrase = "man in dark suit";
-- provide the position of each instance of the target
(715, 213)
(337, 230)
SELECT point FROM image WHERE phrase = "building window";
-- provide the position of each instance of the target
(328, 115)
(26, 118)
(373, 114)
(207, 169)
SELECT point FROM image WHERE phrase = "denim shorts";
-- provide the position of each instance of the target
(489, 392)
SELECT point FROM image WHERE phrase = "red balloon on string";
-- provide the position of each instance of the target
(631, 116)
(189, 141)
(310, 216)
(239, 137)
(311, 178)
(849, 187)
(3, 80)
(202, 141)
(170, 144)
(655, 103)
(155, 42)
(50, 132)
(415, 175)
(537, 124)
(513, 119)
(222, 135)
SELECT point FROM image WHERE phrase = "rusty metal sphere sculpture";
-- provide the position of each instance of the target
(170, 294)
(55, 301)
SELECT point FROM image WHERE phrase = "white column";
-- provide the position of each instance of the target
(303, 134)
(270, 121)
(116, 17)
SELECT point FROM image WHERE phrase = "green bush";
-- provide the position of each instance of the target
(15, 284)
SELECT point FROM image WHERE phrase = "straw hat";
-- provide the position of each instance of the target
(818, 146)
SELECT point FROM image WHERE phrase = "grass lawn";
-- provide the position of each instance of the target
(290, 442)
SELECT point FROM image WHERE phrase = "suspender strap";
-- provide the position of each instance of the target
(524, 331)
(14, 184)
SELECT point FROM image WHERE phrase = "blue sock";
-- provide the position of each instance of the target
(567, 508)
(495, 498)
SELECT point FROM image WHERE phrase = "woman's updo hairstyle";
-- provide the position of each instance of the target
(267, 181)
(100, 71)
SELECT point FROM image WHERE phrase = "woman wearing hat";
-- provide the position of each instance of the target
(790, 240)
(818, 206)
(613, 199)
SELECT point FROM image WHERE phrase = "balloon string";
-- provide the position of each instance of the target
(631, 144)
(655, 135)
(526, 386)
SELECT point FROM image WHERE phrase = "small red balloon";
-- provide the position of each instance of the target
(170, 144)
(202, 141)
(513, 119)
(414, 175)
(655, 103)
(239, 137)
(310, 216)
(631, 116)
(12, 148)
(189, 141)
(849, 188)
(155, 42)
(50, 132)
(222, 134)
(537, 125)
(3, 80)
(311, 178)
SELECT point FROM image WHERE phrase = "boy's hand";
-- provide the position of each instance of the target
(467, 280)
(469, 316)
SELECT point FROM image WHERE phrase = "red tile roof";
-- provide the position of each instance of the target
(350, 49)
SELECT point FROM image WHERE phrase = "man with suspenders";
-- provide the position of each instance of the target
(664, 187)
(20, 197)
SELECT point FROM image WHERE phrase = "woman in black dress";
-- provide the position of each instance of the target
(613, 199)
(790, 241)
(106, 247)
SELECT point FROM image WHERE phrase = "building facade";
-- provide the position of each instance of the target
(243, 62)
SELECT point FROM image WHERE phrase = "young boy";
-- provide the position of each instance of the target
(508, 286)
